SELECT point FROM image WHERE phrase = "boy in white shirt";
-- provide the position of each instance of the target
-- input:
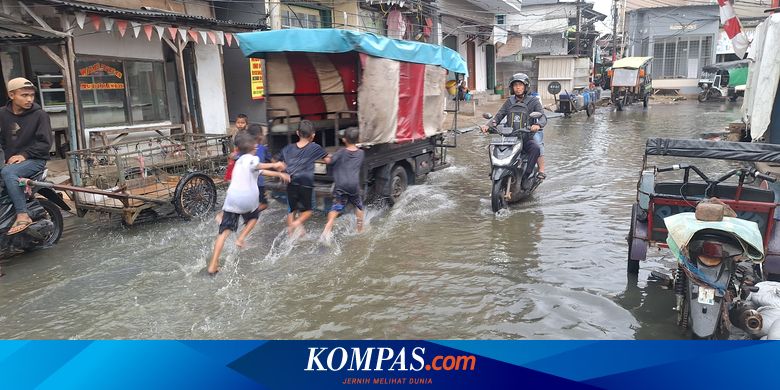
(243, 196)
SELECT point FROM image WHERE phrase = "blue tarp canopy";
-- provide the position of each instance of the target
(331, 40)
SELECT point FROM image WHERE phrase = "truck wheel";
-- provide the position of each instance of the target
(396, 185)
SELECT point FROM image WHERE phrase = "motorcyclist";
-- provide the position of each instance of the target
(517, 110)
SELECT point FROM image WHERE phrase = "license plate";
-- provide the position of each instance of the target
(503, 141)
(706, 295)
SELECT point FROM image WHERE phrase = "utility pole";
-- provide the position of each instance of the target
(577, 42)
(614, 30)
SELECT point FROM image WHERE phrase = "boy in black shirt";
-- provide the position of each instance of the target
(347, 163)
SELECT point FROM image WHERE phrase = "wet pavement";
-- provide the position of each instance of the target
(438, 265)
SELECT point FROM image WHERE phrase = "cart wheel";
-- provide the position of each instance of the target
(590, 108)
(196, 195)
(635, 245)
(702, 97)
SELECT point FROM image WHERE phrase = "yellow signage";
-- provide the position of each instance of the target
(256, 77)
(91, 86)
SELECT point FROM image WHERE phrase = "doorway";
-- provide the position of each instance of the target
(490, 66)
(471, 62)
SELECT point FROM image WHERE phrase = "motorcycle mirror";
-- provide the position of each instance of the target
(535, 115)
(487, 116)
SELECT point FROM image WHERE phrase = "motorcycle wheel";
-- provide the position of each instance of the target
(54, 215)
(497, 200)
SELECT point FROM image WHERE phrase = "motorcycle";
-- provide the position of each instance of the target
(508, 162)
(45, 213)
(719, 258)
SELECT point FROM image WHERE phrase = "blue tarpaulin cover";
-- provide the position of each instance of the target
(327, 40)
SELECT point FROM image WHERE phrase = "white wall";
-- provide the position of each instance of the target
(480, 68)
(211, 89)
(112, 45)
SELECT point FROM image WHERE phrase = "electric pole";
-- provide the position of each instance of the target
(577, 40)
(614, 30)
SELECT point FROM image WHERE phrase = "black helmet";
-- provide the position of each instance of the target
(521, 77)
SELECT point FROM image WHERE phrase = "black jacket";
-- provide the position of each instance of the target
(28, 134)
(519, 110)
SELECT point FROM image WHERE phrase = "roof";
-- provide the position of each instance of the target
(745, 9)
(729, 64)
(631, 62)
(20, 33)
(152, 15)
(331, 40)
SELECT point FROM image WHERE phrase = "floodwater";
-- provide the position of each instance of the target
(439, 265)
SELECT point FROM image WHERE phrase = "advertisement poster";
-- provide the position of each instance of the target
(256, 75)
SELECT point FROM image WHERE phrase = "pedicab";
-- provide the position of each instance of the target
(723, 80)
(142, 180)
(743, 189)
(567, 103)
(631, 81)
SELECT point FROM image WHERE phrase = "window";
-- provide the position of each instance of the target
(681, 57)
(500, 19)
(371, 21)
(116, 92)
(301, 17)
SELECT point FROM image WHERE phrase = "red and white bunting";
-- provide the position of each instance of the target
(109, 24)
(148, 30)
(212, 37)
(173, 31)
(220, 38)
(121, 25)
(80, 19)
(160, 32)
(193, 35)
(183, 34)
(96, 21)
(136, 28)
(204, 37)
(733, 28)
(229, 39)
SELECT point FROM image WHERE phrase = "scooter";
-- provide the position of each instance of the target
(508, 162)
(45, 213)
(719, 261)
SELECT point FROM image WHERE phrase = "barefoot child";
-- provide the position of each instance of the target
(261, 152)
(242, 196)
(241, 126)
(347, 163)
(299, 159)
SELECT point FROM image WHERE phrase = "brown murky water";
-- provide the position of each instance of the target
(438, 265)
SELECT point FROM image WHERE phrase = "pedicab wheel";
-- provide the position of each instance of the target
(54, 215)
(632, 266)
(399, 181)
(497, 200)
(590, 108)
(195, 196)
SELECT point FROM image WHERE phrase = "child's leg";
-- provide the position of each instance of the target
(329, 226)
(335, 210)
(250, 220)
(359, 213)
(218, 245)
(263, 199)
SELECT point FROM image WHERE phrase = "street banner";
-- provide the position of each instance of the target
(256, 76)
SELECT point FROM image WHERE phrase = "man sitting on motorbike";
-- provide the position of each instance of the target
(25, 138)
(517, 110)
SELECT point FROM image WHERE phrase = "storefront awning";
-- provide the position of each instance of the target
(149, 15)
(14, 32)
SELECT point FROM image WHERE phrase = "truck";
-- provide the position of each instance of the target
(392, 90)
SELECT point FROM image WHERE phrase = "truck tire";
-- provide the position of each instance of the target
(396, 184)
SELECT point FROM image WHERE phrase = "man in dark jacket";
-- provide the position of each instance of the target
(517, 109)
(25, 138)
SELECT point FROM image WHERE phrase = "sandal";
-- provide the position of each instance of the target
(20, 226)
(541, 176)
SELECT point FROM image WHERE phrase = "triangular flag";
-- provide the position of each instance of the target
(148, 31)
(109, 23)
(212, 37)
(193, 35)
(136, 29)
(183, 34)
(204, 35)
(121, 25)
(229, 39)
(95, 21)
(220, 37)
(160, 32)
(80, 18)
(173, 31)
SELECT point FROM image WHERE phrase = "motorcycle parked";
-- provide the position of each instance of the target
(508, 162)
(719, 259)
(45, 213)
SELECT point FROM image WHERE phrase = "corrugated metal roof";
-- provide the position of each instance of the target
(151, 16)
(743, 8)
(18, 32)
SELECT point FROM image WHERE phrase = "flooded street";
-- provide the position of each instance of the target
(439, 265)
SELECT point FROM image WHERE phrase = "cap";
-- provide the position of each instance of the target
(19, 82)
